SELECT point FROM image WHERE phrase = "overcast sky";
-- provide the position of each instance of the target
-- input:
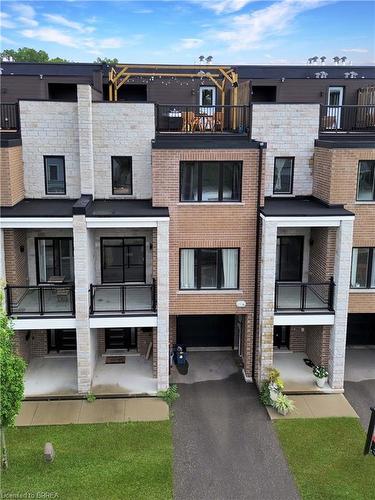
(163, 31)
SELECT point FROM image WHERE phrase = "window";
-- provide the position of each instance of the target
(123, 260)
(54, 258)
(54, 173)
(209, 268)
(121, 175)
(283, 175)
(363, 268)
(263, 93)
(366, 181)
(210, 181)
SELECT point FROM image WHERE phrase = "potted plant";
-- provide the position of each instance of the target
(321, 375)
(283, 404)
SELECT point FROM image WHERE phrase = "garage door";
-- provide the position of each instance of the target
(361, 329)
(205, 331)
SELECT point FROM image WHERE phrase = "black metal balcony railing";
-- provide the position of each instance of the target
(203, 119)
(9, 114)
(304, 297)
(122, 299)
(347, 118)
(40, 300)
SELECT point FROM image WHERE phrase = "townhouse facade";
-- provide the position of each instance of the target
(129, 226)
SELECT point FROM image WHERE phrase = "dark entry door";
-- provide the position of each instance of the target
(120, 338)
(62, 340)
(289, 258)
(281, 335)
(123, 260)
(205, 331)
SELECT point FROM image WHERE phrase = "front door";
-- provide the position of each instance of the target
(207, 99)
(62, 340)
(335, 101)
(281, 335)
(120, 338)
(289, 258)
(123, 260)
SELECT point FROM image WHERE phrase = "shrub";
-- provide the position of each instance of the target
(169, 395)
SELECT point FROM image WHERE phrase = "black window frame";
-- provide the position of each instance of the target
(55, 248)
(278, 193)
(123, 238)
(220, 164)
(373, 182)
(370, 264)
(45, 158)
(197, 263)
(131, 175)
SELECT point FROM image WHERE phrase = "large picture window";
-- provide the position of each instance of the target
(210, 181)
(123, 260)
(55, 258)
(363, 268)
(283, 175)
(209, 268)
(54, 174)
(122, 175)
(366, 181)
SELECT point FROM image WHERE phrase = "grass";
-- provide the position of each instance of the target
(126, 460)
(326, 458)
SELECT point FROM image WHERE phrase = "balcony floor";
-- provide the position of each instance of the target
(289, 298)
(137, 299)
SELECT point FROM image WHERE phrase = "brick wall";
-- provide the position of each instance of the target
(335, 181)
(144, 337)
(297, 339)
(100, 337)
(15, 261)
(317, 344)
(12, 188)
(22, 344)
(39, 343)
(172, 330)
(322, 253)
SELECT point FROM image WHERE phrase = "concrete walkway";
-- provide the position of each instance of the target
(99, 411)
(225, 447)
(317, 406)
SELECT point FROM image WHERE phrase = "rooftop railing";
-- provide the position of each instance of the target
(9, 114)
(203, 119)
(347, 118)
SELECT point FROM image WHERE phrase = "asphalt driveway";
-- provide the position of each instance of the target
(224, 445)
(360, 380)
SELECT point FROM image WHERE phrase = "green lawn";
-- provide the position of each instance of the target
(128, 461)
(326, 458)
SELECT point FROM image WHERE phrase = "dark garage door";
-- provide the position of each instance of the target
(361, 329)
(205, 331)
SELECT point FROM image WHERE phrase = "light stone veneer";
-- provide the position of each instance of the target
(289, 130)
(163, 305)
(49, 128)
(86, 152)
(267, 297)
(336, 362)
(123, 129)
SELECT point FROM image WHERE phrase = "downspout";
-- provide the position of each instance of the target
(262, 146)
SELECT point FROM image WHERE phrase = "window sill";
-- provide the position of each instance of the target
(365, 202)
(362, 290)
(205, 292)
(275, 195)
(210, 203)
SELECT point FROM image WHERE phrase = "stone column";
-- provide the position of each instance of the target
(266, 298)
(336, 363)
(86, 151)
(163, 305)
(81, 273)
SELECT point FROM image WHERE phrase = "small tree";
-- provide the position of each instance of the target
(12, 368)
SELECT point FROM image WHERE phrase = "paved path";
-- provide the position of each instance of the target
(99, 411)
(225, 447)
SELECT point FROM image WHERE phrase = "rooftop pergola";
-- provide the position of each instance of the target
(221, 76)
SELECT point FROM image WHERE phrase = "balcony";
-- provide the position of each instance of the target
(115, 300)
(347, 119)
(40, 300)
(226, 119)
(299, 297)
(9, 117)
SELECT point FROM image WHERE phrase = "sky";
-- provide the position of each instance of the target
(178, 32)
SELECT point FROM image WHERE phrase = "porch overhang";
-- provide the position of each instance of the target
(43, 323)
(303, 319)
(124, 321)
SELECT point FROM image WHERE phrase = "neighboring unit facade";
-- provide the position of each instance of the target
(128, 227)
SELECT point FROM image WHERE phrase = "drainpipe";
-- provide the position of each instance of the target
(262, 146)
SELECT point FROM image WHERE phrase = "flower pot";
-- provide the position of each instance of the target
(283, 412)
(274, 394)
(320, 382)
